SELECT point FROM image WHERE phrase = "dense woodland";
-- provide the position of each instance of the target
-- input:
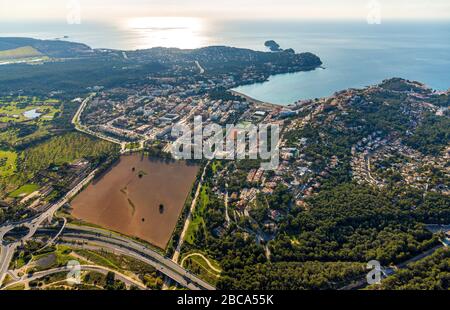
(350, 223)
(63, 149)
(293, 276)
(431, 136)
(76, 67)
(57, 151)
(43, 157)
(431, 273)
(74, 76)
(345, 224)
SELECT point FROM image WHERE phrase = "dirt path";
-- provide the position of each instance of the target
(202, 256)
(176, 255)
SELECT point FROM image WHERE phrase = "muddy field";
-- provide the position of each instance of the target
(139, 197)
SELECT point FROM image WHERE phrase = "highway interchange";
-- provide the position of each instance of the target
(100, 269)
(88, 236)
(85, 236)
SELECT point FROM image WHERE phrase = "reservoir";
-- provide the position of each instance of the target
(139, 197)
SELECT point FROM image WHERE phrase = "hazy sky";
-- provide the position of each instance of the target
(20, 10)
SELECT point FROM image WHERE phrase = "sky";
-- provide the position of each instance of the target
(49, 10)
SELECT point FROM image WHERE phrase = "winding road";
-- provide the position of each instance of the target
(204, 258)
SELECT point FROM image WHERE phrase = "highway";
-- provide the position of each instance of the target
(117, 243)
(100, 269)
(6, 255)
(89, 237)
(33, 224)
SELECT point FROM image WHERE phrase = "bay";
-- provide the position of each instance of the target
(354, 53)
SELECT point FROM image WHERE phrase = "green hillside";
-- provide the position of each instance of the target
(20, 52)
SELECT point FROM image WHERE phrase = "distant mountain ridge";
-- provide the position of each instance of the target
(70, 67)
(66, 49)
(51, 48)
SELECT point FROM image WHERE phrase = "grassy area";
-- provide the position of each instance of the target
(8, 279)
(53, 278)
(98, 259)
(15, 136)
(127, 265)
(197, 220)
(116, 262)
(61, 150)
(20, 52)
(14, 109)
(17, 287)
(26, 118)
(200, 267)
(132, 145)
(216, 165)
(59, 257)
(7, 163)
(124, 264)
(213, 262)
(24, 190)
(94, 279)
(19, 262)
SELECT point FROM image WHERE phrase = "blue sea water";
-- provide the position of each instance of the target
(355, 54)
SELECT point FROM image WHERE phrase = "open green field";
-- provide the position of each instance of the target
(24, 190)
(15, 109)
(197, 220)
(17, 287)
(56, 257)
(18, 53)
(26, 118)
(7, 163)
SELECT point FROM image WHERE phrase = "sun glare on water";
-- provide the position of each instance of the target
(181, 32)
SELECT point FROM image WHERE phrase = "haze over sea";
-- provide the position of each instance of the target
(355, 54)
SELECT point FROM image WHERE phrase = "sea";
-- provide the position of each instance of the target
(354, 53)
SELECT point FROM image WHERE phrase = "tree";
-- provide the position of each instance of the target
(110, 280)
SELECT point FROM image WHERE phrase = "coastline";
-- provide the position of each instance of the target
(256, 101)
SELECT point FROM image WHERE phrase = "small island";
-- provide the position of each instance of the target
(275, 47)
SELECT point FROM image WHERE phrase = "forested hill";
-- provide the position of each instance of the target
(217, 58)
(213, 54)
(73, 67)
